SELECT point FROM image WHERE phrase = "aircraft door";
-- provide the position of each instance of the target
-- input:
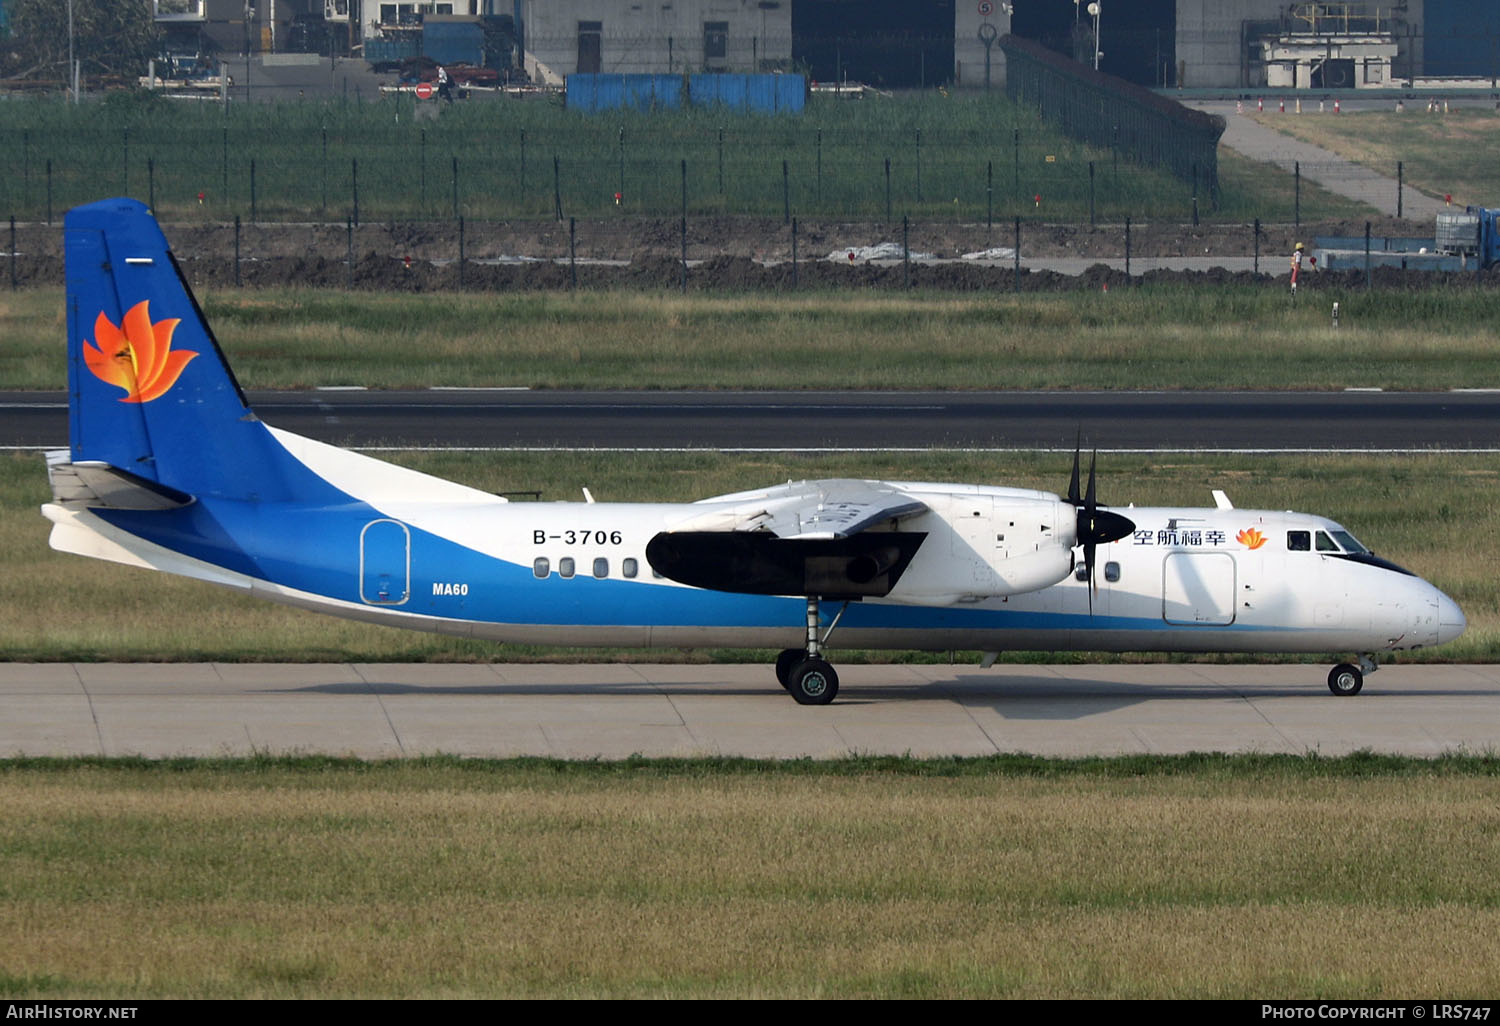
(384, 563)
(1198, 589)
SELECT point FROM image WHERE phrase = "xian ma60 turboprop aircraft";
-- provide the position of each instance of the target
(170, 469)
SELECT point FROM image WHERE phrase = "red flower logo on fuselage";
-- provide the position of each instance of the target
(1250, 538)
(137, 355)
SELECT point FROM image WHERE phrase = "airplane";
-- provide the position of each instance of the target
(169, 468)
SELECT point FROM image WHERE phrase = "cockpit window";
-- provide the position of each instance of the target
(1325, 543)
(1349, 542)
(1298, 541)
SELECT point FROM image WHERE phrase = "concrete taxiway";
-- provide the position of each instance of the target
(616, 710)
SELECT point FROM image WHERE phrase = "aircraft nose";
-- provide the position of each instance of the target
(1451, 621)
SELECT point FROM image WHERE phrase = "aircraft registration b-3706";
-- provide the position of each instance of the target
(169, 468)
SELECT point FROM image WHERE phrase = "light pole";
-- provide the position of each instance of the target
(1098, 53)
(72, 77)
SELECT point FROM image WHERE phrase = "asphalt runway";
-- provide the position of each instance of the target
(1110, 421)
(616, 710)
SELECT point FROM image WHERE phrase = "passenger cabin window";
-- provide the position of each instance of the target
(1299, 541)
(565, 566)
(1325, 543)
(542, 567)
(629, 567)
(601, 567)
(1111, 571)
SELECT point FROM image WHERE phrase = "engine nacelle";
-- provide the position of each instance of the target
(989, 545)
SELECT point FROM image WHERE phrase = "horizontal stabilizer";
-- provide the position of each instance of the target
(96, 485)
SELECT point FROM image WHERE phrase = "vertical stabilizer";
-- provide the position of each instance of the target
(150, 391)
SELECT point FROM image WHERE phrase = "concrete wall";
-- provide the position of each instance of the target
(635, 34)
(968, 49)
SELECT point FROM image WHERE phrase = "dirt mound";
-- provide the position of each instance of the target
(725, 253)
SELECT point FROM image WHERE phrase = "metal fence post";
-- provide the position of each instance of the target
(684, 225)
(236, 250)
(1091, 195)
(151, 183)
(49, 190)
(794, 249)
(1257, 246)
(786, 194)
(455, 186)
(1018, 253)
(1400, 175)
(354, 186)
(1367, 256)
(906, 251)
(462, 256)
(252, 191)
(573, 252)
(12, 252)
(989, 197)
(349, 235)
(1127, 247)
(557, 186)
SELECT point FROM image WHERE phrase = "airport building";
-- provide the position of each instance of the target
(1235, 44)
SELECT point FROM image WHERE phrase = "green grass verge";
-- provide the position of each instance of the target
(1221, 877)
(950, 156)
(1149, 337)
(1439, 153)
(1436, 514)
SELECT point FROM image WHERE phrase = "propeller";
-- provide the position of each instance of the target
(1095, 526)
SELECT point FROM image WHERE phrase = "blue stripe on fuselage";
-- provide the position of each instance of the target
(316, 549)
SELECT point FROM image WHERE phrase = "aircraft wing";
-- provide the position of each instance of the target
(801, 538)
(834, 508)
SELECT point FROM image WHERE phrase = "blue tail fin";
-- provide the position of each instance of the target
(150, 391)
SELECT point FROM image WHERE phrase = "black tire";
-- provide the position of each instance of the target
(1345, 680)
(786, 661)
(813, 682)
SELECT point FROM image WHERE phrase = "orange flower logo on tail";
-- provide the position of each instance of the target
(137, 355)
(1250, 538)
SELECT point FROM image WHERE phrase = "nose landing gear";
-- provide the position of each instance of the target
(1346, 680)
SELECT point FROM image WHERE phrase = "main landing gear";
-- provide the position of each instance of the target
(1346, 679)
(806, 675)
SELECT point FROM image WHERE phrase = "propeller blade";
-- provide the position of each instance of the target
(1094, 526)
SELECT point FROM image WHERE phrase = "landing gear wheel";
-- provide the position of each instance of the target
(787, 661)
(1345, 680)
(813, 682)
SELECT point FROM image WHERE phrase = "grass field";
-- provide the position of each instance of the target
(1197, 877)
(950, 156)
(1437, 151)
(1437, 515)
(1149, 337)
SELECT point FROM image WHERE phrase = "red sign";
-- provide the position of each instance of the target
(424, 90)
(986, 8)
